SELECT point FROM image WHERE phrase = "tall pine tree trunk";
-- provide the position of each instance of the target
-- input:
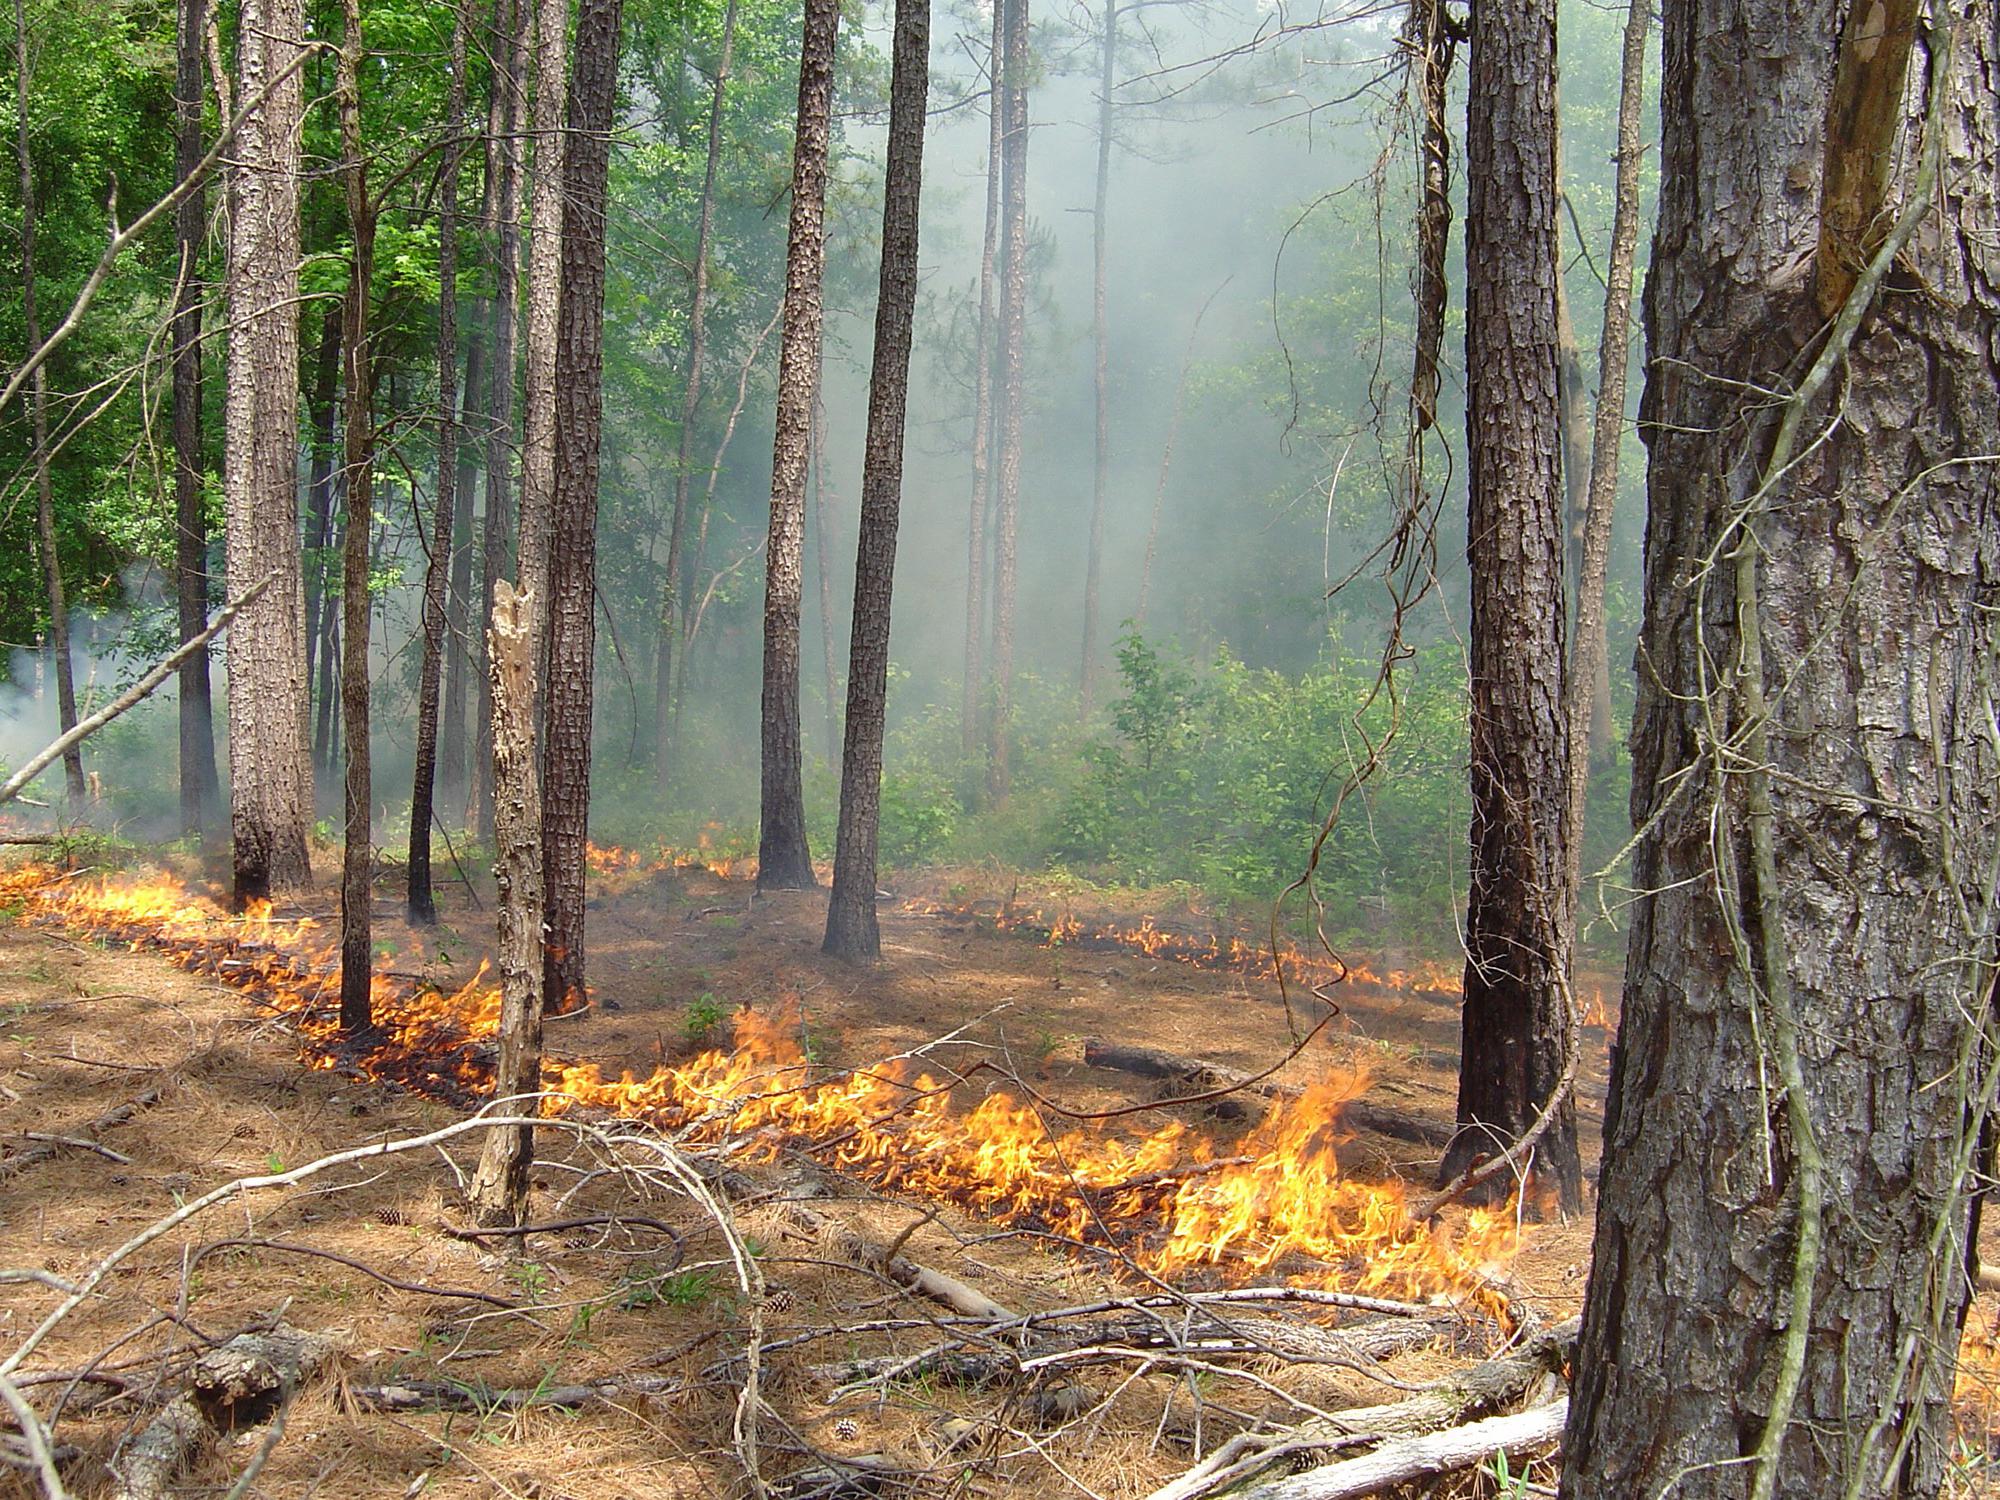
(38, 397)
(821, 536)
(357, 866)
(437, 571)
(201, 793)
(459, 657)
(783, 860)
(1804, 1075)
(1013, 376)
(506, 118)
(1515, 1023)
(674, 588)
(270, 783)
(573, 557)
(850, 915)
(1100, 337)
(979, 524)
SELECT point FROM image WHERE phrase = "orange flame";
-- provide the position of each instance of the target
(1163, 1199)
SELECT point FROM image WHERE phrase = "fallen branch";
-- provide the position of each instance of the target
(447, 1395)
(850, 1245)
(134, 695)
(52, 1144)
(1422, 1457)
(1204, 1076)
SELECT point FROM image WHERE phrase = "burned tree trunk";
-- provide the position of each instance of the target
(38, 397)
(500, 1188)
(1804, 1066)
(573, 556)
(1516, 1033)
(357, 865)
(783, 859)
(673, 634)
(979, 524)
(201, 792)
(437, 571)
(1013, 375)
(270, 783)
(850, 915)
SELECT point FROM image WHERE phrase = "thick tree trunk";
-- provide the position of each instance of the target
(783, 860)
(1100, 331)
(201, 792)
(850, 915)
(545, 288)
(1013, 367)
(675, 588)
(1589, 667)
(499, 1189)
(357, 865)
(506, 118)
(1515, 1030)
(437, 571)
(979, 524)
(38, 397)
(270, 783)
(1804, 1064)
(573, 570)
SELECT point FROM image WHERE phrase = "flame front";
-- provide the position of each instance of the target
(1163, 1200)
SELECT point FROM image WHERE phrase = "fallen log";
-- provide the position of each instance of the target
(1463, 1400)
(1201, 1076)
(242, 1383)
(86, 1138)
(1422, 1457)
(449, 1395)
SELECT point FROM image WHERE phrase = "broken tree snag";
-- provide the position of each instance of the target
(1204, 1077)
(243, 1383)
(500, 1187)
(1864, 115)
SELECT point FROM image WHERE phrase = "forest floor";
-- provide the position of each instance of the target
(218, 1091)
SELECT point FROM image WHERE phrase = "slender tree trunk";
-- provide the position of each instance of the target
(1013, 368)
(499, 1189)
(1515, 1022)
(38, 396)
(201, 792)
(506, 119)
(1794, 1142)
(545, 233)
(1436, 37)
(979, 523)
(821, 536)
(1100, 325)
(674, 588)
(270, 783)
(357, 866)
(850, 915)
(422, 907)
(458, 652)
(1589, 674)
(323, 439)
(573, 559)
(783, 861)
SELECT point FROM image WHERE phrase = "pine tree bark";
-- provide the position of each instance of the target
(1100, 331)
(1804, 1064)
(357, 865)
(573, 558)
(38, 398)
(506, 120)
(783, 860)
(674, 588)
(851, 930)
(545, 233)
(270, 782)
(201, 792)
(499, 1190)
(979, 524)
(1515, 1032)
(437, 571)
(1013, 375)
